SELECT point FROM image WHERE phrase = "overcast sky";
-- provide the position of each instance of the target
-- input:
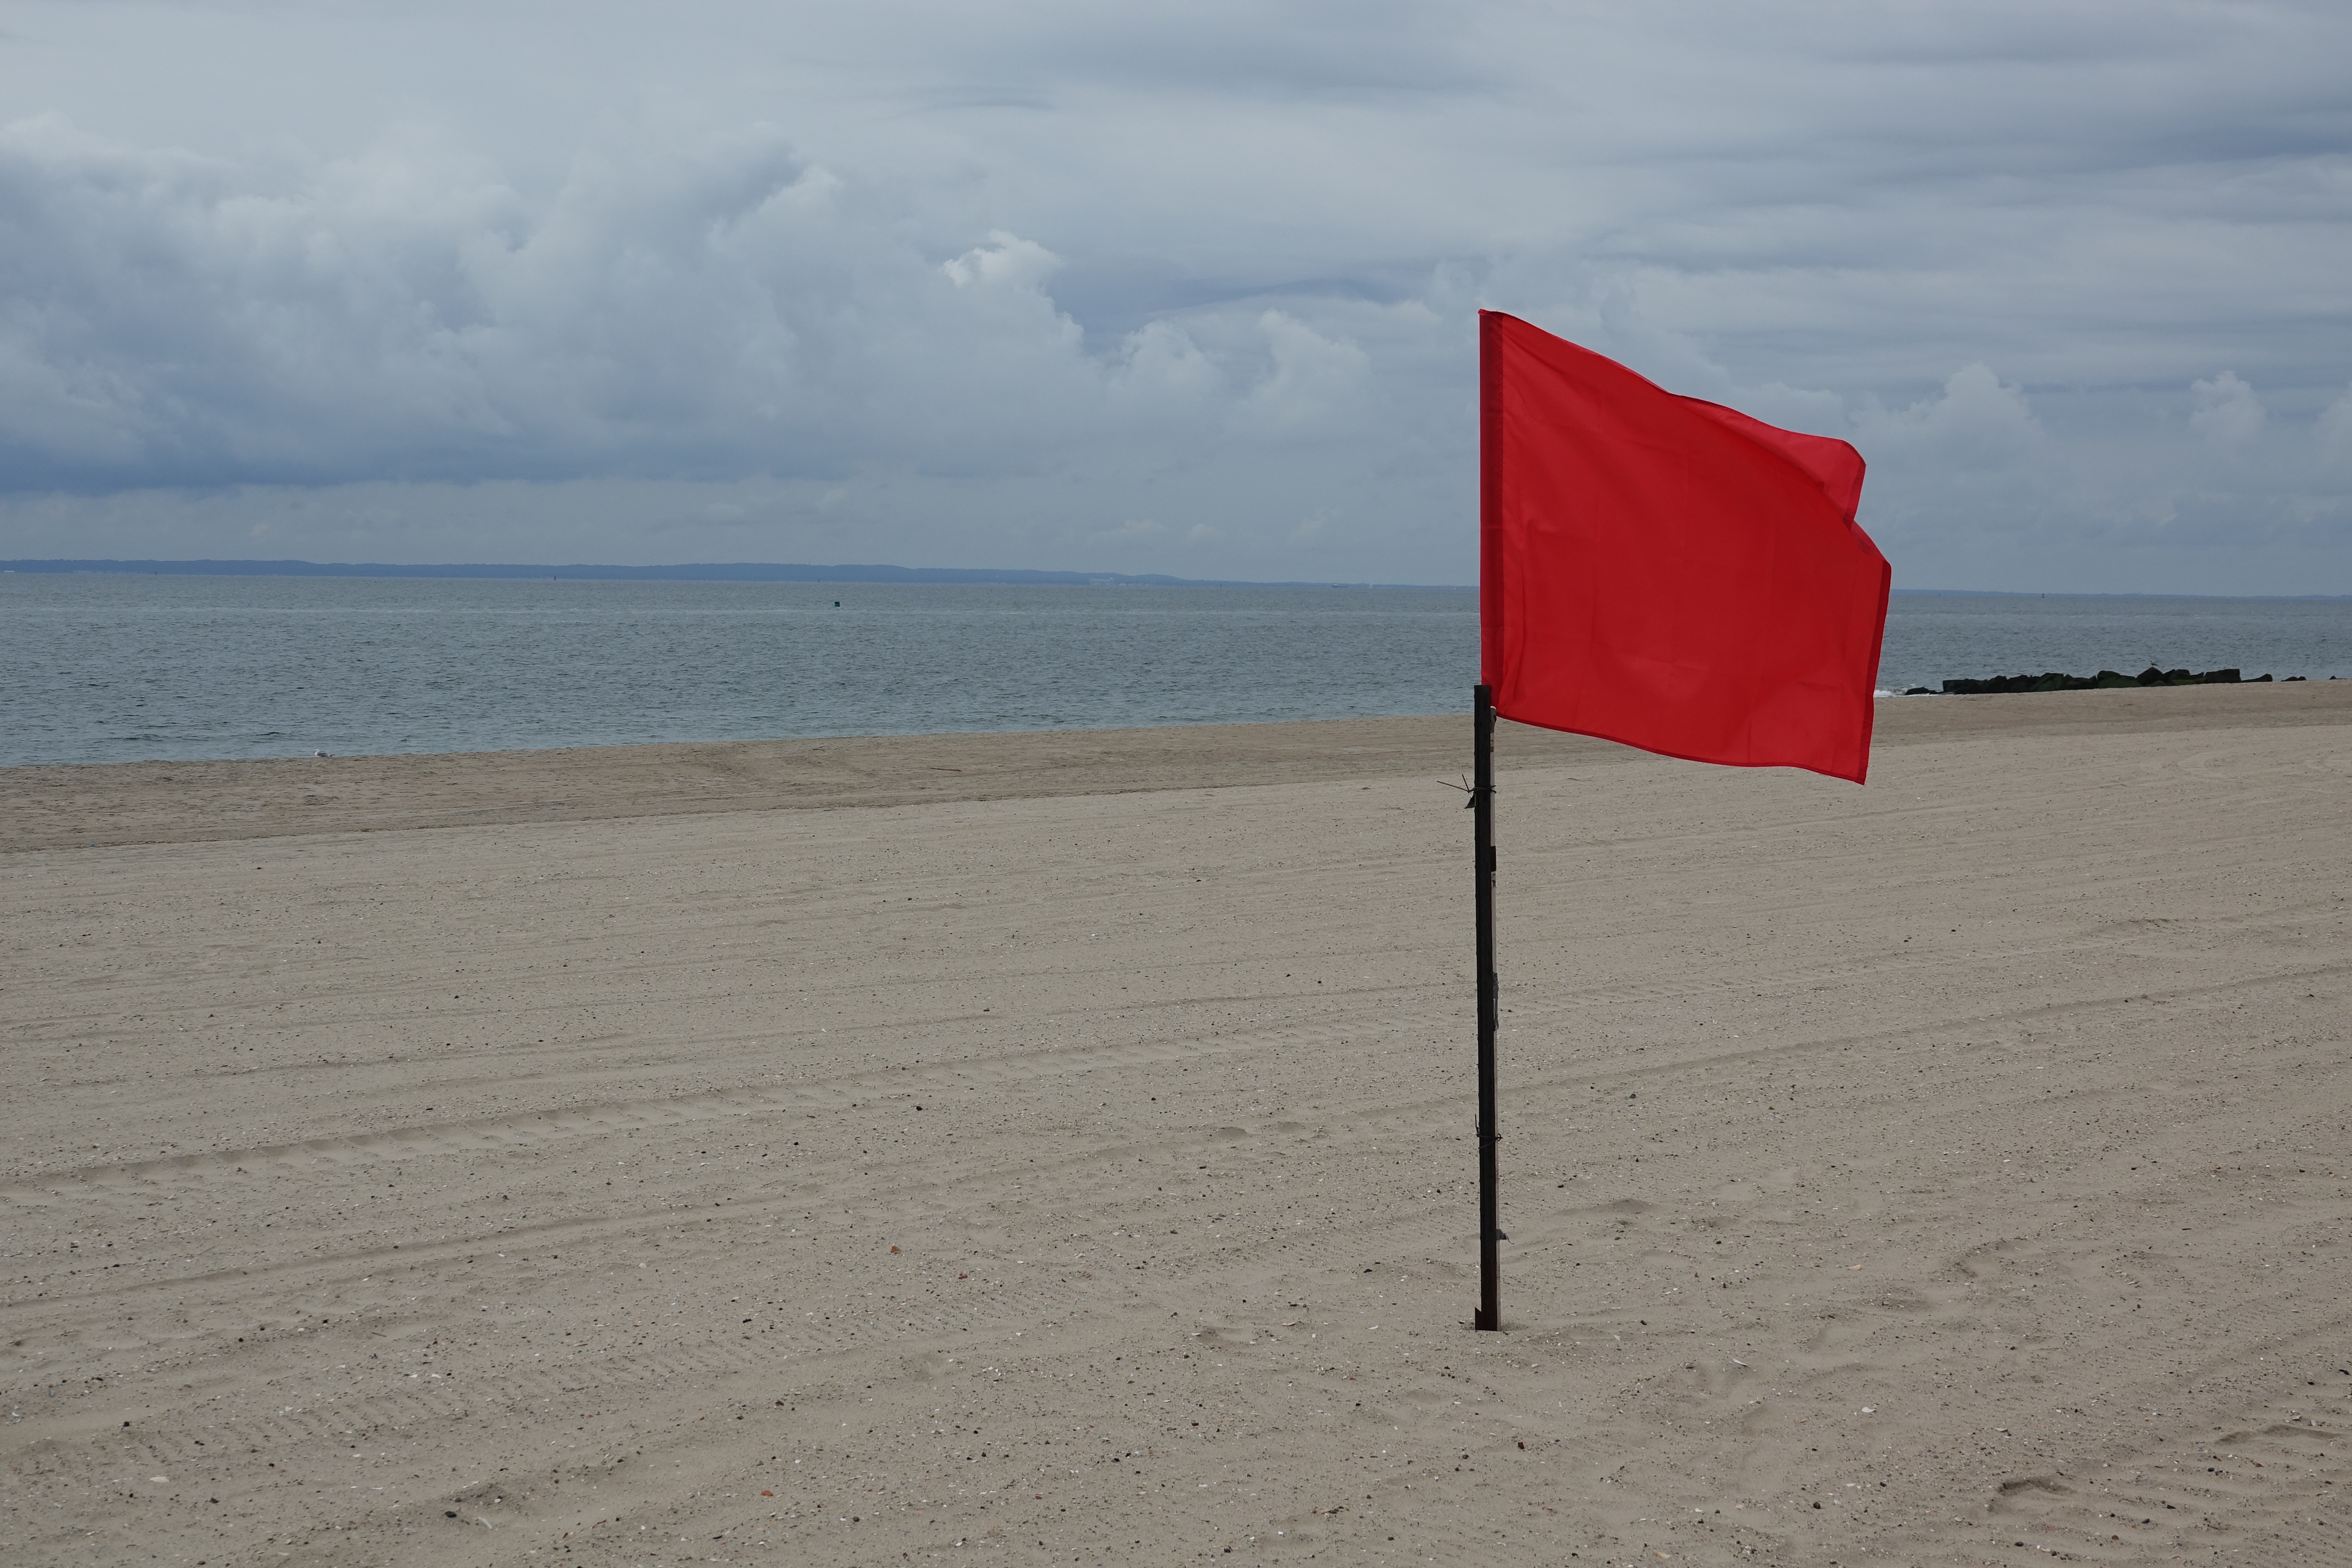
(1185, 288)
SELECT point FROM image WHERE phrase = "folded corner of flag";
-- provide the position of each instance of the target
(1668, 573)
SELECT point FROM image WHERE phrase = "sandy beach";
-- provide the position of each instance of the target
(1057, 1148)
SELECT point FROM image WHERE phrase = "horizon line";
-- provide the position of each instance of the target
(871, 573)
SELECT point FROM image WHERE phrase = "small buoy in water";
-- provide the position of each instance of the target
(837, 604)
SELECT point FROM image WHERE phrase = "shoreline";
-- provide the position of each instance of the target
(63, 806)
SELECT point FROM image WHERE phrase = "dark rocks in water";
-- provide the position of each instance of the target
(2054, 681)
(2057, 681)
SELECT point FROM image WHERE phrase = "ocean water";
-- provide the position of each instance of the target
(1932, 636)
(117, 668)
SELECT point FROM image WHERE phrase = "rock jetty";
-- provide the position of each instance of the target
(2056, 682)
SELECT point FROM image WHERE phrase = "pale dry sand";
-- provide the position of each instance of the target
(1057, 1149)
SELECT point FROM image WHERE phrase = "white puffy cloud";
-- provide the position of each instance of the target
(2334, 428)
(1161, 373)
(703, 310)
(1313, 382)
(1978, 421)
(2228, 412)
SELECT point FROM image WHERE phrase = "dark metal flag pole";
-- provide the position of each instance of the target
(1481, 805)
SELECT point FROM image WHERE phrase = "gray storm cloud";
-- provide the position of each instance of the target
(698, 311)
(673, 312)
(1077, 288)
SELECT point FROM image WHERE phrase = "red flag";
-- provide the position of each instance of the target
(1669, 573)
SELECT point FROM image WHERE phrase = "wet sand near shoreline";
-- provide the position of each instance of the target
(1026, 1148)
(73, 806)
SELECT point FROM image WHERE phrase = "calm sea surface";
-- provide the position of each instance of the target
(106, 668)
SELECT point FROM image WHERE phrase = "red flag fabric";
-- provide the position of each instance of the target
(1668, 573)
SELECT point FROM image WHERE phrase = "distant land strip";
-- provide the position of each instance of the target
(710, 572)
